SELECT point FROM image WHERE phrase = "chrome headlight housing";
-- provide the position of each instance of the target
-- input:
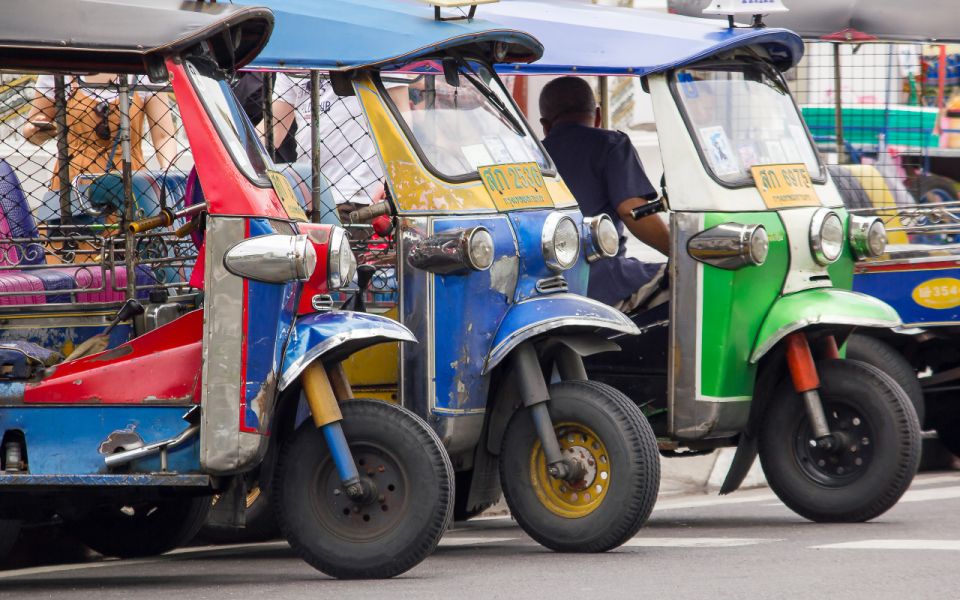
(273, 258)
(341, 263)
(604, 239)
(868, 237)
(560, 241)
(730, 245)
(826, 236)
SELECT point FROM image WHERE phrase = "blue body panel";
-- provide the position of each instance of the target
(349, 34)
(467, 308)
(528, 226)
(65, 440)
(896, 289)
(623, 41)
(319, 333)
(270, 312)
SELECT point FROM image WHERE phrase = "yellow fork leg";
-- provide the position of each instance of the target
(320, 396)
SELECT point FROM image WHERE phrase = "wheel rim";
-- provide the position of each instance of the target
(368, 520)
(836, 467)
(577, 499)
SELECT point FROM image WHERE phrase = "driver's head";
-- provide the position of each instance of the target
(568, 99)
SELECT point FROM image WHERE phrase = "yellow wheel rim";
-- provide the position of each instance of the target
(580, 498)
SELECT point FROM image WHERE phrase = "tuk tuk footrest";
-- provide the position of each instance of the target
(12, 480)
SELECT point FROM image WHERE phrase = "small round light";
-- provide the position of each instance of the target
(480, 249)
(608, 238)
(759, 245)
(826, 236)
(877, 239)
(341, 263)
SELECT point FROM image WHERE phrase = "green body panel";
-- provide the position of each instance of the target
(734, 306)
(841, 272)
(821, 306)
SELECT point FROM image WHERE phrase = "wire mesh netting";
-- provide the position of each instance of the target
(886, 118)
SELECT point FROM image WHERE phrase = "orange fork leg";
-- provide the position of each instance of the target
(803, 372)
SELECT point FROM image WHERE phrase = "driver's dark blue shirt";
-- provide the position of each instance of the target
(602, 169)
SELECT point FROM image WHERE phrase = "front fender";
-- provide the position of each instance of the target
(540, 314)
(822, 306)
(337, 333)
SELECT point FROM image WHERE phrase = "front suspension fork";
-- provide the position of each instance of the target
(534, 393)
(324, 389)
(806, 382)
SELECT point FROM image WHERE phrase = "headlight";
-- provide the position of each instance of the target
(826, 236)
(730, 245)
(868, 237)
(479, 249)
(274, 258)
(341, 263)
(604, 238)
(560, 241)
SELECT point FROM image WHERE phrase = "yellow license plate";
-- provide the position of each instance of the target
(785, 186)
(516, 186)
(289, 200)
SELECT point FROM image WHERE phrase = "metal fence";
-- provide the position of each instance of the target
(886, 118)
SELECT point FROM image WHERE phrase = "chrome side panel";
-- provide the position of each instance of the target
(416, 307)
(692, 417)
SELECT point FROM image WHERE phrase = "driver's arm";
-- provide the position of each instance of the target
(650, 230)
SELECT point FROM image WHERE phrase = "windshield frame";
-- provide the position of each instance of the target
(739, 64)
(200, 63)
(550, 171)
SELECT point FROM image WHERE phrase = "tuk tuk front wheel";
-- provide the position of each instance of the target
(877, 451)
(386, 533)
(608, 435)
(142, 529)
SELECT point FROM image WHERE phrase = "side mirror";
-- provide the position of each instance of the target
(451, 72)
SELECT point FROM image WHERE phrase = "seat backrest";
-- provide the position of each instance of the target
(298, 174)
(16, 221)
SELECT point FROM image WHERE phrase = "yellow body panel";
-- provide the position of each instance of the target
(374, 372)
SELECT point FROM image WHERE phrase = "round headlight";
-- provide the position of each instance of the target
(341, 263)
(758, 244)
(604, 238)
(868, 237)
(560, 242)
(826, 236)
(480, 249)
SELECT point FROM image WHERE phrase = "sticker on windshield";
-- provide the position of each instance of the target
(785, 186)
(719, 151)
(516, 186)
(287, 197)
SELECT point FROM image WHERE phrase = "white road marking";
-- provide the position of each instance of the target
(894, 545)
(943, 493)
(696, 542)
(715, 501)
(473, 541)
(935, 479)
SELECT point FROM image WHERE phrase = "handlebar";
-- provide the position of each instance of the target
(369, 213)
(650, 208)
(166, 219)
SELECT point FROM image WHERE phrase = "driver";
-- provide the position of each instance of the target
(604, 172)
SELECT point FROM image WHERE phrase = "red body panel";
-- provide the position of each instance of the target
(225, 188)
(162, 366)
(319, 235)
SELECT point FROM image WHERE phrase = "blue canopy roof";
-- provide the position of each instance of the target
(348, 34)
(604, 40)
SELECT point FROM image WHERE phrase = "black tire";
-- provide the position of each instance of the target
(369, 541)
(866, 404)
(885, 357)
(9, 534)
(144, 529)
(943, 189)
(633, 477)
(261, 524)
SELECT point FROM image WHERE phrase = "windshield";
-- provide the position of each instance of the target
(461, 128)
(741, 116)
(231, 122)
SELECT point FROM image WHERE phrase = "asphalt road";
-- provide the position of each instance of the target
(747, 545)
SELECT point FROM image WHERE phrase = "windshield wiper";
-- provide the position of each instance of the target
(492, 97)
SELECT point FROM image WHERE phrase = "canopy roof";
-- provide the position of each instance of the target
(605, 40)
(112, 36)
(341, 35)
(886, 20)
